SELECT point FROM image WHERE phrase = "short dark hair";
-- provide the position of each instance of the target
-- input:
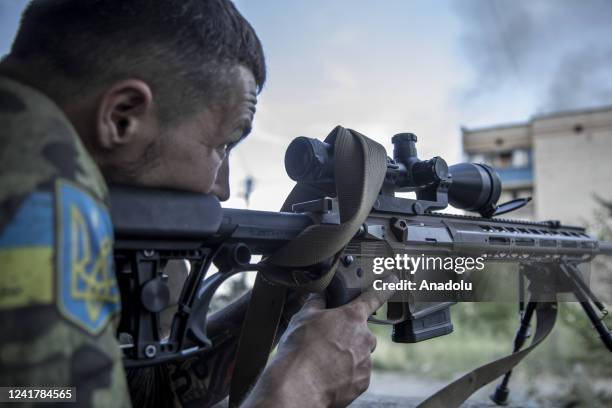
(184, 49)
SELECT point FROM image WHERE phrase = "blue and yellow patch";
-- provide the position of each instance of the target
(26, 254)
(87, 289)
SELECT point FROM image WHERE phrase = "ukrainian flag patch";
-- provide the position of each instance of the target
(87, 289)
(26, 254)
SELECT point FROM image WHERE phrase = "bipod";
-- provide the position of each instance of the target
(566, 278)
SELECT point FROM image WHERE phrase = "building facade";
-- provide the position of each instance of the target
(562, 160)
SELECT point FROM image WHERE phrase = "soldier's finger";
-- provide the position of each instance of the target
(372, 299)
(373, 342)
(316, 301)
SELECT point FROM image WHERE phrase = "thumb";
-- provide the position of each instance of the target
(316, 301)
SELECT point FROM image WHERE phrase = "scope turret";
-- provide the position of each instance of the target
(414, 173)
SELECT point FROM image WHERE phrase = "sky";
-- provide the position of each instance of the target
(390, 66)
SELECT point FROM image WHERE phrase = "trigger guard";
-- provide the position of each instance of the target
(198, 317)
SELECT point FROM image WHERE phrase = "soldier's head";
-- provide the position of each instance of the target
(159, 91)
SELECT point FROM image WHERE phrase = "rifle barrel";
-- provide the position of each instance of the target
(605, 247)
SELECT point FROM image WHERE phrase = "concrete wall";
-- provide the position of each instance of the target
(496, 139)
(572, 162)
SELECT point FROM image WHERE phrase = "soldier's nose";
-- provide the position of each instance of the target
(222, 191)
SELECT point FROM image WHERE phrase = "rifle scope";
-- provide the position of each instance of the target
(470, 186)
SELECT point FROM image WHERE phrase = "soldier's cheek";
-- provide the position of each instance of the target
(205, 169)
(191, 167)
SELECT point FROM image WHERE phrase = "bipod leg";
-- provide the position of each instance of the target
(598, 323)
(500, 396)
(585, 297)
(521, 289)
(573, 274)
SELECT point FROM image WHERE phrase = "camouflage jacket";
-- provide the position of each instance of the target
(58, 294)
(59, 300)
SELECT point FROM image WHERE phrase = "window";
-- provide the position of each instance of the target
(520, 158)
(502, 160)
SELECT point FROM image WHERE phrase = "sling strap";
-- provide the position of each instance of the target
(457, 392)
(257, 336)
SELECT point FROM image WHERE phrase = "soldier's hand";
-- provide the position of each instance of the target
(324, 357)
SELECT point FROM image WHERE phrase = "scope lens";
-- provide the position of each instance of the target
(298, 158)
(308, 159)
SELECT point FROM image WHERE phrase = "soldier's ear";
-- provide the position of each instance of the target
(125, 115)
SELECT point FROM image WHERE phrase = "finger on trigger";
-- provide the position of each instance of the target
(373, 299)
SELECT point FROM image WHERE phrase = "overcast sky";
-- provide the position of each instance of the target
(429, 67)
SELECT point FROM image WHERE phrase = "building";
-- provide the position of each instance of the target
(563, 160)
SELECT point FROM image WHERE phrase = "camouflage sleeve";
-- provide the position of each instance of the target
(58, 296)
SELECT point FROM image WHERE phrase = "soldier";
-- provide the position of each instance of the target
(143, 93)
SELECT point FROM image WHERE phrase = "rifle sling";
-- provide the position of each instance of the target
(455, 393)
(257, 336)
